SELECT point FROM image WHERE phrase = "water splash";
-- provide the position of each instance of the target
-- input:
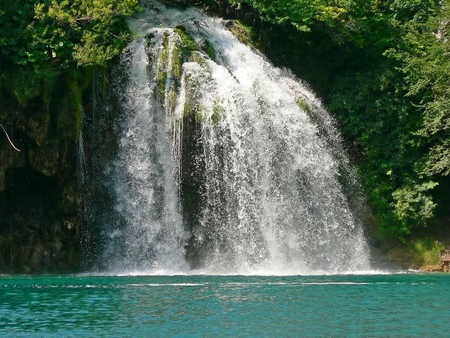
(146, 192)
(229, 164)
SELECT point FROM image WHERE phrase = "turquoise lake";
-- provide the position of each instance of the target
(391, 305)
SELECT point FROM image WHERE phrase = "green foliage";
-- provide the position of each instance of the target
(364, 103)
(26, 82)
(426, 252)
(49, 48)
(416, 253)
(438, 159)
(427, 70)
(63, 32)
(302, 14)
(413, 202)
(389, 91)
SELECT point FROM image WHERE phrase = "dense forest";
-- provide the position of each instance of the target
(381, 67)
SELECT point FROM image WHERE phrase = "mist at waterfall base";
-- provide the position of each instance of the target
(225, 164)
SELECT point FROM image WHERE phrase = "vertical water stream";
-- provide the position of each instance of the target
(225, 163)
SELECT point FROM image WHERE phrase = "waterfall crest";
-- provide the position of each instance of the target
(225, 163)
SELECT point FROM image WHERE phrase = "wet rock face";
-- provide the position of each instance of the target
(36, 233)
(7, 157)
(39, 208)
(45, 159)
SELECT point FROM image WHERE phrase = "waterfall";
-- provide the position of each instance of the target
(225, 163)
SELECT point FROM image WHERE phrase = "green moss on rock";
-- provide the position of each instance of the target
(303, 105)
(426, 251)
(176, 62)
(189, 44)
(198, 58)
(161, 73)
(242, 32)
(67, 107)
(208, 48)
(419, 253)
(171, 100)
(218, 111)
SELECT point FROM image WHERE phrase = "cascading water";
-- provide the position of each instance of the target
(146, 192)
(226, 164)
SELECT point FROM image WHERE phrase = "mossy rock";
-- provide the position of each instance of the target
(175, 50)
(86, 75)
(426, 252)
(171, 100)
(67, 108)
(45, 159)
(176, 63)
(161, 71)
(208, 48)
(416, 254)
(303, 105)
(218, 111)
(169, 67)
(188, 42)
(192, 107)
(193, 86)
(242, 32)
(198, 58)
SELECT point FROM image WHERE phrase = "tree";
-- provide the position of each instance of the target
(41, 39)
(63, 32)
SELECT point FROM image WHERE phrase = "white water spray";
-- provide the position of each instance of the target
(269, 199)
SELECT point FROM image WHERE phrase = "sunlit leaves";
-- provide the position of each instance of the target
(413, 202)
(302, 14)
(63, 32)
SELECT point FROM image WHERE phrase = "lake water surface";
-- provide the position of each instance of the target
(386, 305)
